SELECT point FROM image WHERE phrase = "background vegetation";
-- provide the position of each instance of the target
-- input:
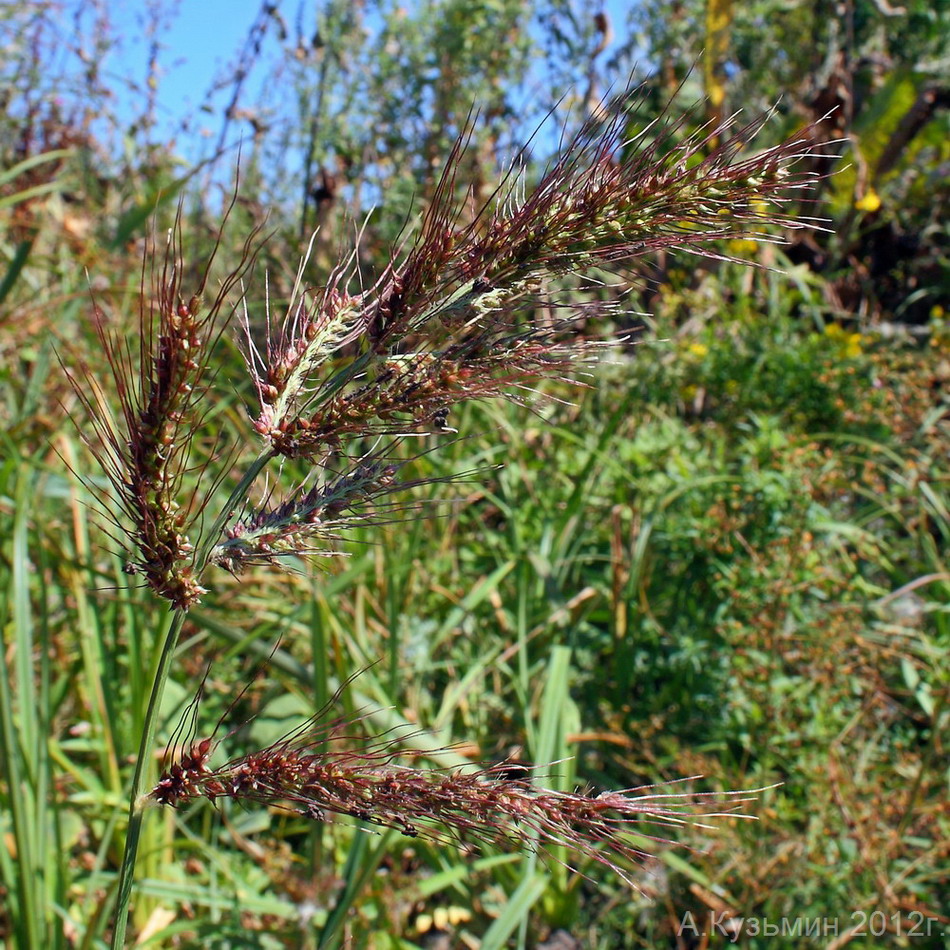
(726, 558)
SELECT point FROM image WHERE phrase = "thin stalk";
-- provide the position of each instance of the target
(361, 864)
(147, 742)
(136, 810)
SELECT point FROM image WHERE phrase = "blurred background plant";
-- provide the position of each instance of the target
(726, 558)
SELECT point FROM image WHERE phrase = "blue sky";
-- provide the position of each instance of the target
(201, 39)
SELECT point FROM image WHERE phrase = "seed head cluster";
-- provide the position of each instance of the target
(317, 772)
(308, 522)
(480, 301)
(145, 452)
(451, 320)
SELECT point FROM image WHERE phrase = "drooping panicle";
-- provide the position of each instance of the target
(321, 769)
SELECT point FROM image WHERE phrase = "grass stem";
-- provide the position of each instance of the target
(140, 778)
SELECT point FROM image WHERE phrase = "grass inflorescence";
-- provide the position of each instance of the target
(718, 552)
(319, 770)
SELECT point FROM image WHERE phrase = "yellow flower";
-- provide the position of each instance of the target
(853, 346)
(743, 247)
(870, 201)
(849, 345)
(699, 350)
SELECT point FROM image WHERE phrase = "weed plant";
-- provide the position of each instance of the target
(726, 552)
(341, 381)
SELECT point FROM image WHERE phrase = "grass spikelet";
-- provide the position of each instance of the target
(145, 451)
